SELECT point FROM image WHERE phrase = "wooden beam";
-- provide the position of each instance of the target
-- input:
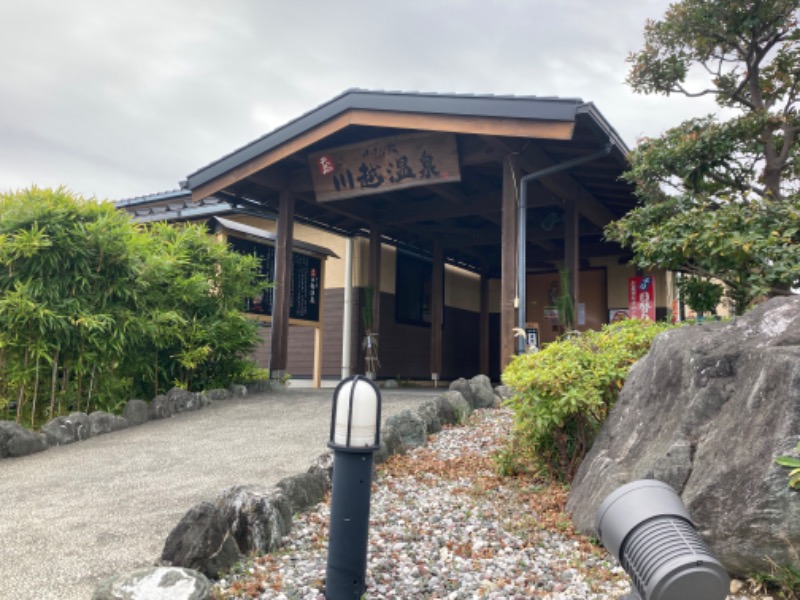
(556, 130)
(296, 180)
(525, 128)
(279, 339)
(375, 232)
(565, 186)
(572, 251)
(477, 205)
(273, 179)
(483, 323)
(437, 309)
(449, 192)
(271, 157)
(478, 153)
(561, 184)
(508, 281)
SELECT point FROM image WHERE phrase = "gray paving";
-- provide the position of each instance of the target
(73, 515)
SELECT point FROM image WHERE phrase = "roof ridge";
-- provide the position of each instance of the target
(411, 102)
(152, 196)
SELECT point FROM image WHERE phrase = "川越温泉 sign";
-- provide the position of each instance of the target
(384, 165)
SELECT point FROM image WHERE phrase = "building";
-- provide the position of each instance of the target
(422, 198)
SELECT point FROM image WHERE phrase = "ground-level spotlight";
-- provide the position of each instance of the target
(645, 525)
(354, 438)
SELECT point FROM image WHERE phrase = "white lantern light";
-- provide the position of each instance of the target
(355, 421)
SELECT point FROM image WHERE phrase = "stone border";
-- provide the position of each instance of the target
(212, 537)
(16, 441)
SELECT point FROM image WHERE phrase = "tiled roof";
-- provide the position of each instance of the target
(541, 108)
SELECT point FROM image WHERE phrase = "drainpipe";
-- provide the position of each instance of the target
(522, 228)
(347, 321)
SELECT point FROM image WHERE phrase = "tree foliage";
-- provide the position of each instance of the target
(192, 329)
(93, 308)
(719, 194)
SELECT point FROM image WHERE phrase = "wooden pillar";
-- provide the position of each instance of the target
(572, 250)
(483, 324)
(437, 310)
(508, 282)
(317, 372)
(279, 339)
(375, 276)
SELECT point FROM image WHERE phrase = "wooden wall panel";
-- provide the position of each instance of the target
(301, 341)
(404, 349)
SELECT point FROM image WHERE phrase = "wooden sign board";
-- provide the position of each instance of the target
(305, 288)
(384, 165)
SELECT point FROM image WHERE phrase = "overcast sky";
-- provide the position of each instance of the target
(115, 99)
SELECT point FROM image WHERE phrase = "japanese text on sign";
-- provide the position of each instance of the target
(642, 298)
(384, 164)
(305, 287)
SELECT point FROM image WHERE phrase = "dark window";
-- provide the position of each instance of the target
(413, 290)
(304, 291)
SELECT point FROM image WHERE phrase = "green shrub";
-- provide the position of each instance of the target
(563, 393)
(792, 462)
(95, 309)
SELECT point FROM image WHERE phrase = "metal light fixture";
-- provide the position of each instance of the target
(646, 526)
(354, 438)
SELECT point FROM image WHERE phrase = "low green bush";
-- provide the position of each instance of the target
(96, 309)
(563, 393)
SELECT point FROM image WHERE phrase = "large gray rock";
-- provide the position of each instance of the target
(15, 440)
(410, 427)
(66, 430)
(445, 411)
(391, 444)
(260, 386)
(238, 390)
(102, 422)
(257, 517)
(155, 583)
(707, 411)
(160, 408)
(504, 392)
(461, 408)
(463, 386)
(483, 392)
(202, 541)
(181, 400)
(136, 412)
(218, 395)
(304, 490)
(323, 465)
(430, 414)
(81, 424)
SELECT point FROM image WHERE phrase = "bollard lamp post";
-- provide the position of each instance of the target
(646, 526)
(354, 438)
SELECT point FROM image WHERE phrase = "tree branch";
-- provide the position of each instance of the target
(789, 136)
(682, 90)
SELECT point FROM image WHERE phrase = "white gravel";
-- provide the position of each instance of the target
(442, 527)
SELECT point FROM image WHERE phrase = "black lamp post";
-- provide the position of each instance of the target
(354, 438)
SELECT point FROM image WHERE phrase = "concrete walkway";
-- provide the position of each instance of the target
(74, 515)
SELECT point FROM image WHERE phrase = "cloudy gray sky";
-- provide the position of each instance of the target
(125, 98)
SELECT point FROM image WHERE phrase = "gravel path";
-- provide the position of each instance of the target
(74, 515)
(444, 526)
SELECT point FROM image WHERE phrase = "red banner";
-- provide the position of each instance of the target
(642, 298)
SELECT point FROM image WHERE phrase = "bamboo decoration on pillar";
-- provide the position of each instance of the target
(370, 343)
